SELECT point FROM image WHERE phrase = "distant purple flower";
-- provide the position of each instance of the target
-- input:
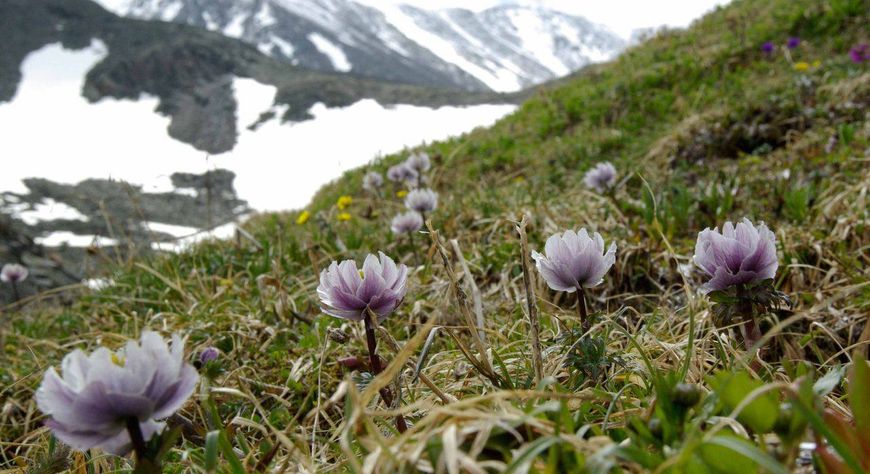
(768, 48)
(738, 255)
(422, 200)
(793, 42)
(418, 162)
(401, 173)
(347, 293)
(410, 221)
(859, 53)
(209, 354)
(574, 259)
(601, 177)
(373, 181)
(13, 273)
(89, 405)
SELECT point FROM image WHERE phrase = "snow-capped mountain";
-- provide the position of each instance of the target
(504, 48)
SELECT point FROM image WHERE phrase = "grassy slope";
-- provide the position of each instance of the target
(700, 118)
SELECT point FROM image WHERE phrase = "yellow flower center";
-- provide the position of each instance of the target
(118, 360)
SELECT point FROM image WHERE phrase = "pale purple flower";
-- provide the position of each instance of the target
(422, 200)
(13, 273)
(574, 259)
(859, 53)
(410, 221)
(401, 173)
(738, 255)
(373, 181)
(768, 48)
(601, 177)
(793, 42)
(418, 162)
(89, 404)
(209, 354)
(346, 292)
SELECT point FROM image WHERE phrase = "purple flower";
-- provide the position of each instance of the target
(422, 200)
(401, 173)
(13, 273)
(418, 162)
(768, 48)
(209, 354)
(373, 181)
(859, 54)
(793, 42)
(347, 293)
(738, 255)
(574, 259)
(410, 221)
(601, 177)
(89, 405)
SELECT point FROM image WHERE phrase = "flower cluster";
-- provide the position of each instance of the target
(860, 53)
(13, 273)
(102, 399)
(348, 293)
(601, 178)
(406, 223)
(738, 255)
(574, 260)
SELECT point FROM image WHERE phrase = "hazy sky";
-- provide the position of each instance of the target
(622, 16)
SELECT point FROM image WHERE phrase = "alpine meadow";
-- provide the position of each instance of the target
(660, 263)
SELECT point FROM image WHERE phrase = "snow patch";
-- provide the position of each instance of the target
(58, 239)
(236, 27)
(173, 230)
(50, 209)
(332, 51)
(225, 231)
(278, 166)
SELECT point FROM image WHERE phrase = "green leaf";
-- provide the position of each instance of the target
(760, 414)
(530, 452)
(727, 453)
(829, 382)
(859, 393)
(211, 451)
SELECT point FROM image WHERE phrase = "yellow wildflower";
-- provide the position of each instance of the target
(816, 64)
(802, 66)
(402, 193)
(344, 202)
(343, 216)
(303, 217)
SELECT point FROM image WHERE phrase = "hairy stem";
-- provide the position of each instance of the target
(144, 464)
(582, 312)
(375, 361)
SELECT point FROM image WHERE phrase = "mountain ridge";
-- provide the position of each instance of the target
(454, 47)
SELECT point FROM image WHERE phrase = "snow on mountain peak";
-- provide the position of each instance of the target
(504, 48)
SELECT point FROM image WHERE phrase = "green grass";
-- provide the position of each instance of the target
(702, 128)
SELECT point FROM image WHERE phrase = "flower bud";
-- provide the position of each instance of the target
(686, 395)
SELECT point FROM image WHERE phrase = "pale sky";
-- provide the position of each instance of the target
(621, 16)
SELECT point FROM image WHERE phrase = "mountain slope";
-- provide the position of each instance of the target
(454, 48)
(702, 126)
(189, 69)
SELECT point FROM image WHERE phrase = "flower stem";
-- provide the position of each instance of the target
(582, 312)
(386, 395)
(750, 330)
(144, 465)
(15, 292)
(417, 259)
